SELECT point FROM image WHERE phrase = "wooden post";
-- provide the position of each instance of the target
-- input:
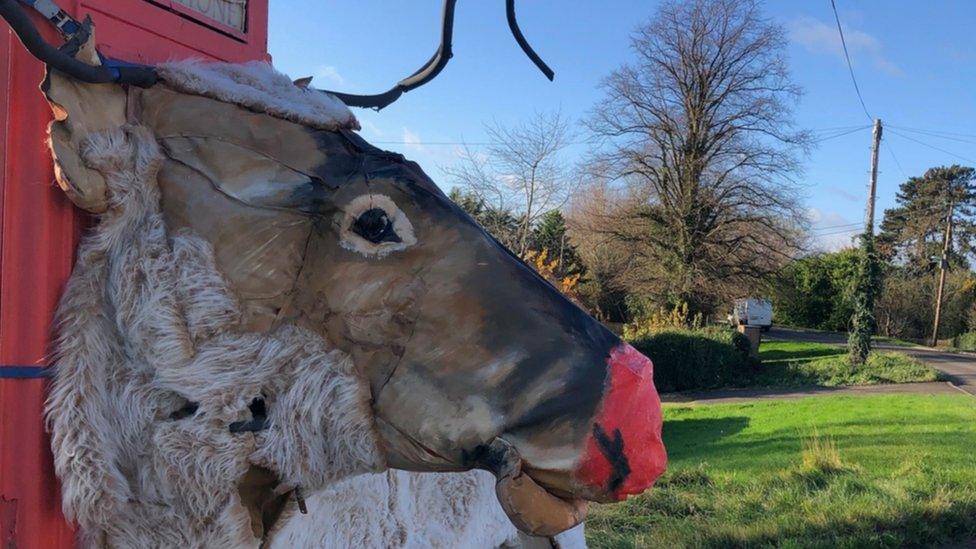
(873, 182)
(943, 267)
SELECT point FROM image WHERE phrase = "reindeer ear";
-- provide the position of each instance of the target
(81, 109)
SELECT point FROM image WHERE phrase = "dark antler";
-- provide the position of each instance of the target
(438, 61)
(517, 33)
(145, 76)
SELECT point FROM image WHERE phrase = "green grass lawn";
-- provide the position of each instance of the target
(792, 363)
(879, 471)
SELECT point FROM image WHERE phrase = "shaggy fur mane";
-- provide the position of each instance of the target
(258, 86)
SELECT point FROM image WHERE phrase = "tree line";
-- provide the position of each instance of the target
(817, 290)
(687, 196)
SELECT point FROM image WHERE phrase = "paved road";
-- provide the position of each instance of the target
(960, 369)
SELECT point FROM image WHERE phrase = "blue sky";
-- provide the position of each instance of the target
(915, 63)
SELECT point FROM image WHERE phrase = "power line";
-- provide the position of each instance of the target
(840, 134)
(830, 133)
(925, 130)
(903, 136)
(895, 158)
(831, 227)
(848, 231)
(857, 226)
(932, 133)
(836, 128)
(847, 56)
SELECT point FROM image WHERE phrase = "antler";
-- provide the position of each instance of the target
(145, 76)
(438, 61)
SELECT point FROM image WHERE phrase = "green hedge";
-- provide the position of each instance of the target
(702, 359)
(965, 342)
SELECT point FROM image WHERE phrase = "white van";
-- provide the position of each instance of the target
(752, 312)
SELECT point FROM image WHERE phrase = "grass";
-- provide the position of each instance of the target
(791, 363)
(879, 471)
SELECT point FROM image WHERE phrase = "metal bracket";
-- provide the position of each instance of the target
(66, 25)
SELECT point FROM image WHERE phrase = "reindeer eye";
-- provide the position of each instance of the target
(375, 225)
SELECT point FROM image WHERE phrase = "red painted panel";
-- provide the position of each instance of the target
(39, 230)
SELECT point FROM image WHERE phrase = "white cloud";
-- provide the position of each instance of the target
(330, 73)
(835, 242)
(370, 128)
(819, 218)
(831, 231)
(819, 37)
(412, 140)
(845, 194)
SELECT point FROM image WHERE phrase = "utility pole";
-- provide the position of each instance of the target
(943, 266)
(862, 322)
(873, 184)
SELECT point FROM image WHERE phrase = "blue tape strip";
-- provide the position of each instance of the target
(24, 372)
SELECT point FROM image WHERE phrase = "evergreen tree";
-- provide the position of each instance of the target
(911, 233)
(550, 233)
(499, 223)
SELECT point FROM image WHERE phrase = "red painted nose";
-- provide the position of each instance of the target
(624, 453)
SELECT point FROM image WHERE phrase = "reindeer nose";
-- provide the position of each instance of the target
(624, 453)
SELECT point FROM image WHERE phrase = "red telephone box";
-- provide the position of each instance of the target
(39, 227)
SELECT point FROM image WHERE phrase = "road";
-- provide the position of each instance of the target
(960, 369)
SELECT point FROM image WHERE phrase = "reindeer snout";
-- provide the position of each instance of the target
(623, 453)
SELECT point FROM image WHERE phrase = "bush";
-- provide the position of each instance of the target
(696, 359)
(816, 291)
(965, 342)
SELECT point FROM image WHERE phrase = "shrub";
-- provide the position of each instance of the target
(697, 359)
(965, 342)
(662, 319)
(880, 368)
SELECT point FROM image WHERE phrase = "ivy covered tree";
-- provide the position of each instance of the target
(867, 286)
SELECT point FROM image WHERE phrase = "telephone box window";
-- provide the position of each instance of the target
(232, 13)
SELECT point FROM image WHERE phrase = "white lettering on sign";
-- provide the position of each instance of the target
(232, 13)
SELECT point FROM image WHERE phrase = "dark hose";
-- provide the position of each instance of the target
(424, 74)
(18, 20)
(438, 61)
(517, 33)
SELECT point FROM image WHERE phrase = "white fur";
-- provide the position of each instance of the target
(258, 86)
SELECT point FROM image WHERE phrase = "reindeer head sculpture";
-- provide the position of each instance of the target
(462, 357)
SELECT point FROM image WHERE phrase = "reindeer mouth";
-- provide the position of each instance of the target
(533, 508)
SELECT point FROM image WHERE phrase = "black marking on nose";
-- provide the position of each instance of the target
(613, 450)
(258, 421)
(186, 411)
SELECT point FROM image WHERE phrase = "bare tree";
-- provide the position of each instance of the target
(590, 211)
(522, 171)
(700, 130)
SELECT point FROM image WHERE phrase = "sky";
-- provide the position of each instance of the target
(915, 64)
